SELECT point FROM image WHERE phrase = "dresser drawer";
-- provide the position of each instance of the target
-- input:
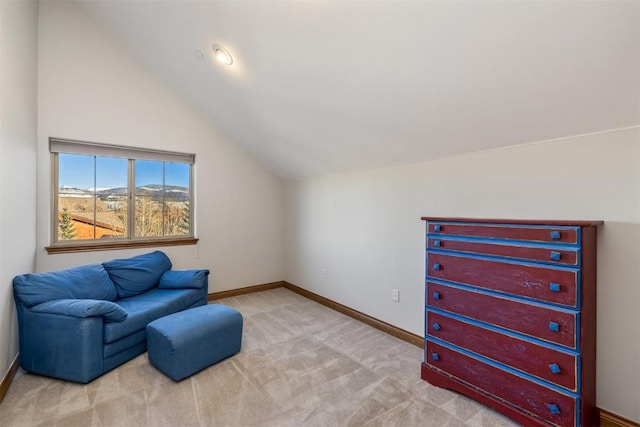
(555, 255)
(537, 360)
(543, 283)
(548, 404)
(567, 235)
(536, 321)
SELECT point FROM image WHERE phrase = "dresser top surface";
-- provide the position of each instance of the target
(560, 222)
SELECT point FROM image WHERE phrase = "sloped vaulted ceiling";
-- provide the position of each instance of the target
(325, 86)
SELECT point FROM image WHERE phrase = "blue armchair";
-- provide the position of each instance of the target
(76, 324)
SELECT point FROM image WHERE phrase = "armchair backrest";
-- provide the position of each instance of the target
(135, 275)
(83, 282)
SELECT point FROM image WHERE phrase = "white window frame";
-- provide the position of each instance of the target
(67, 146)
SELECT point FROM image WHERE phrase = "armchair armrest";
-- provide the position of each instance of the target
(183, 279)
(83, 308)
(61, 346)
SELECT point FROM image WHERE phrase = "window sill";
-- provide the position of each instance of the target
(129, 244)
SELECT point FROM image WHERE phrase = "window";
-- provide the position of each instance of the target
(107, 196)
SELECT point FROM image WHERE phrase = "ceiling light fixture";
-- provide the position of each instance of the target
(222, 54)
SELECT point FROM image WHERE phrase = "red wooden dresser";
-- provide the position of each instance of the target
(510, 316)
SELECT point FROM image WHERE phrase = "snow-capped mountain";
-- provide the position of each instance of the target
(174, 192)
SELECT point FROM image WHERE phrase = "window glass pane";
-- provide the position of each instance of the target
(76, 201)
(149, 195)
(177, 199)
(111, 197)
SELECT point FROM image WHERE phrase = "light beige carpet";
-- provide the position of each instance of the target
(301, 364)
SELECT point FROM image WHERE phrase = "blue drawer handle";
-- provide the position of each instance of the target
(555, 235)
(436, 295)
(553, 326)
(554, 368)
(436, 227)
(554, 287)
(436, 243)
(435, 356)
(555, 255)
(436, 326)
(553, 408)
(436, 266)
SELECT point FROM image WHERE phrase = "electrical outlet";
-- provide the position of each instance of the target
(324, 273)
(395, 295)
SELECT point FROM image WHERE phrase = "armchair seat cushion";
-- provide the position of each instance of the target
(147, 307)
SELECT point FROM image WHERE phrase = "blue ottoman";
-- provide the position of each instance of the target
(186, 342)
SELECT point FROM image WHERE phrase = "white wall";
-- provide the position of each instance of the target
(18, 121)
(91, 89)
(364, 228)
